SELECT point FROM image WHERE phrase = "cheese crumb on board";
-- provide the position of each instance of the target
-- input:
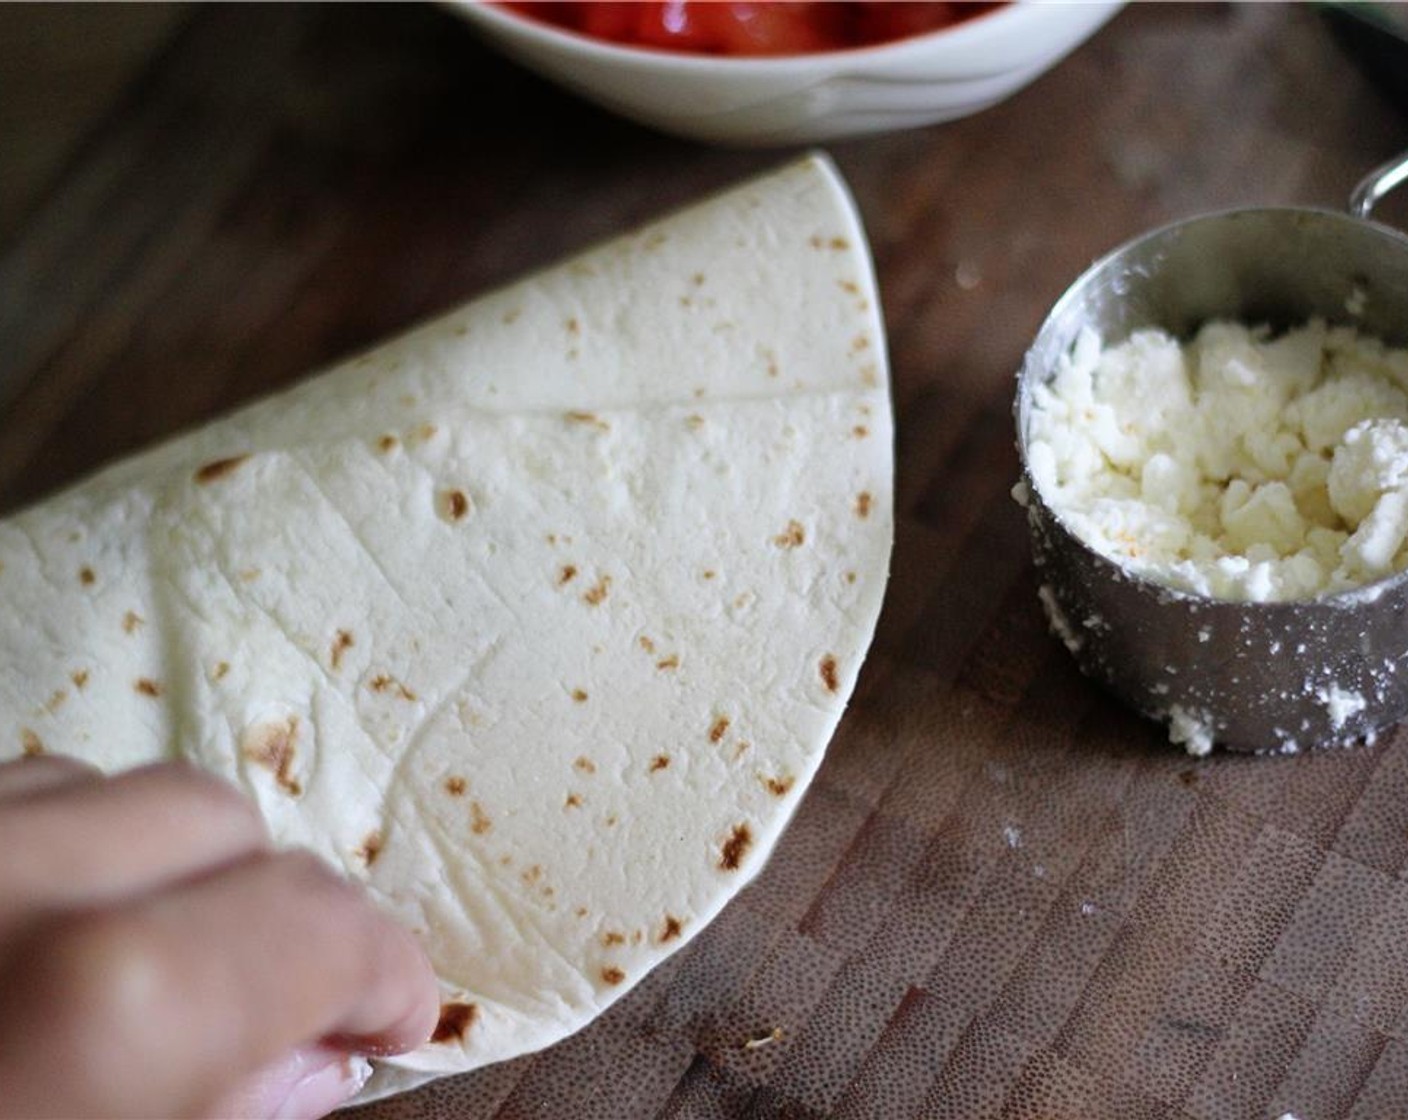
(1241, 465)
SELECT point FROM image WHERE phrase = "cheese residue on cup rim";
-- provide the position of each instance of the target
(1241, 465)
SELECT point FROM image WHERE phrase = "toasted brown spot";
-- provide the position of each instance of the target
(612, 975)
(870, 377)
(461, 331)
(694, 421)
(849, 286)
(596, 594)
(249, 575)
(79, 677)
(613, 937)
(654, 240)
(671, 662)
(646, 644)
(371, 847)
(221, 669)
(827, 668)
(585, 765)
(611, 820)
(718, 729)
(456, 505)
(30, 743)
(532, 875)
(709, 573)
(271, 745)
(839, 243)
(859, 343)
(659, 762)
(342, 641)
(741, 749)
(863, 500)
(778, 787)
(147, 687)
(384, 682)
(850, 577)
(86, 576)
(816, 242)
(512, 314)
(218, 469)
(132, 622)
(455, 1021)
(567, 574)
(581, 911)
(589, 418)
(735, 847)
(791, 537)
(574, 801)
(479, 822)
(579, 695)
(672, 928)
(57, 700)
(425, 433)
(573, 327)
(387, 444)
(860, 431)
(455, 785)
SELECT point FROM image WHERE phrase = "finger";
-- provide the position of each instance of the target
(43, 772)
(303, 1085)
(176, 997)
(92, 841)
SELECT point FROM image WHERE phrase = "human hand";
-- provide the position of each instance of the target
(158, 958)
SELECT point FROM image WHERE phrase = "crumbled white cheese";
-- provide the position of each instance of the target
(1341, 704)
(1240, 466)
(1192, 729)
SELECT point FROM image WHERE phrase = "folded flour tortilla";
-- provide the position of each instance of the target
(537, 621)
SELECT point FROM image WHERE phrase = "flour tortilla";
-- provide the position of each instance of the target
(537, 621)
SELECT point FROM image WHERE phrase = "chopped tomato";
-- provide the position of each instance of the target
(763, 27)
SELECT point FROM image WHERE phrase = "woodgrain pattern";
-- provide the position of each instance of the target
(1004, 896)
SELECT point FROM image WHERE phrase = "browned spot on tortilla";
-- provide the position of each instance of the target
(86, 576)
(219, 672)
(425, 433)
(659, 762)
(671, 662)
(741, 749)
(718, 729)
(30, 743)
(371, 847)
(574, 801)
(479, 820)
(512, 314)
(827, 668)
(737, 844)
(816, 242)
(147, 687)
(613, 937)
(694, 421)
(791, 537)
(79, 677)
(455, 785)
(591, 419)
(249, 575)
(219, 468)
(579, 695)
(612, 975)
(532, 875)
(456, 505)
(384, 682)
(671, 929)
(573, 327)
(342, 641)
(870, 377)
(850, 577)
(654, 240)
(611, 820)
(859, 343)
(698, 279)
(779, 787)
(585, 765)
(271, 745)
(387, 444)
(56, 701)
(709, 573)
(455, 1021)
(567, 574)
(849, 286)
(461, 331)
(860, 431)
(646, 644)
(863, 500)
(596, 594)
(839, 243)
(581, 911)
(131, 622)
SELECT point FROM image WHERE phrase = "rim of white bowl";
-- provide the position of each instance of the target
(988, 23)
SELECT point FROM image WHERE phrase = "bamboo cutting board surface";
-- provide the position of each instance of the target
(1004, 896)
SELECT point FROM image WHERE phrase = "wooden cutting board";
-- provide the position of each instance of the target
(1005, 896)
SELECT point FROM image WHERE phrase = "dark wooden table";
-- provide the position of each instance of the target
(1004, 896)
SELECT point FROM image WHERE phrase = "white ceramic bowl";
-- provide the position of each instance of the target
(802, 98)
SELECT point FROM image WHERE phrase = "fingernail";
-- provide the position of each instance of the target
(323, 1090)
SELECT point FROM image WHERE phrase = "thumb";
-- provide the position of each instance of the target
(304, 1085)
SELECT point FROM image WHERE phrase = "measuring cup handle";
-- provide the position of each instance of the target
(1376, 184)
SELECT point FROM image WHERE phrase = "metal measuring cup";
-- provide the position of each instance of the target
(1251, 676)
